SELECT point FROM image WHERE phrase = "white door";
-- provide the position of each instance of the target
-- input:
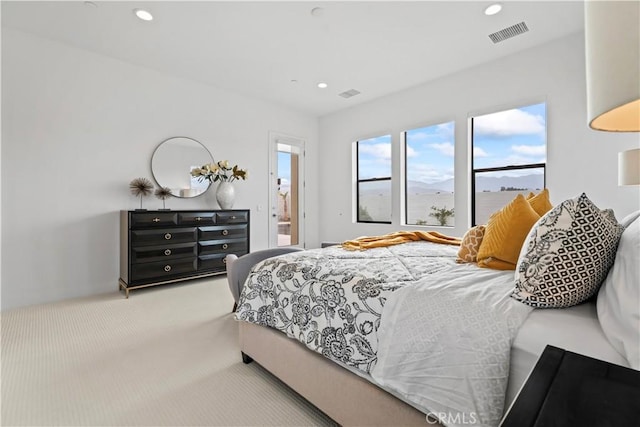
(286, 198)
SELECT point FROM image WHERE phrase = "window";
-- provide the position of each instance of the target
(374, 179)
(429, 175)
(509, 157)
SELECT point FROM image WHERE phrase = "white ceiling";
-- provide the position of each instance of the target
(258, 48)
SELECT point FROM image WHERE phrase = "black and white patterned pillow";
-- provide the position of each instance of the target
(566, 255)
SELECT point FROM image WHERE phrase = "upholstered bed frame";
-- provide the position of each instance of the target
(359, 402)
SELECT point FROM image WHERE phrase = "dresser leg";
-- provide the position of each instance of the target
(246, 359)
(235, 306)
(123, 287)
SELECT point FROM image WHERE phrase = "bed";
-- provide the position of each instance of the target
(405, 335)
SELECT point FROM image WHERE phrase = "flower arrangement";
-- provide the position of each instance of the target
(163, 193)
(141, 187)
(220, 171)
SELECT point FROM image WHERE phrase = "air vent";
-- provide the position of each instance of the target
(507, 33)
(349, 93)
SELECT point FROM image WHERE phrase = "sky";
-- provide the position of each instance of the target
(430, 153)
(374, 157)
(284, 169)
(510, 137)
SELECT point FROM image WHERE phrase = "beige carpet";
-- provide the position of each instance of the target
(168, 355)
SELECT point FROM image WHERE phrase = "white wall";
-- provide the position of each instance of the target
(578, 159)
(0, 170)
(78, 127)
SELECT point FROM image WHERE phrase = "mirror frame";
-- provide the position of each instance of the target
(156, 172)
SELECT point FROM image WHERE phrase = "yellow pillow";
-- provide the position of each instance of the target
(540, 202)
(470, 244)
(496, 264)
(505, 233)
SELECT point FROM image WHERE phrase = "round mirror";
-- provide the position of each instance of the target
(172, 162)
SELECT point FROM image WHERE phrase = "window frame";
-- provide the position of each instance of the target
(377, 179)
(404, 170)
(474, 171)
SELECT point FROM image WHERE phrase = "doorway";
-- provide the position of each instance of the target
(287, 191)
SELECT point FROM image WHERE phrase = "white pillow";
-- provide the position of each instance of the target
(619, 297)
(629, 219)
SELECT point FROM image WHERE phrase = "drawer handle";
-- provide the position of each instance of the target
(156, 219)
(167, 236)
(224, 260)
(225, 232)
(225, 246)
(167, 268)
(167, 252)
(198, 218)
(233, 217)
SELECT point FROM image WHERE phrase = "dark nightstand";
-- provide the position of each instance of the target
(566, 389)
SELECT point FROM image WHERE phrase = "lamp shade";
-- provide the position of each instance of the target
(629, 167)
(612, 42)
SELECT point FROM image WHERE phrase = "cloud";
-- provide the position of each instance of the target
(446, 128)
(445, 148)
(419, 136)
(516, 159)
(411, 152)
(529, 150)
(524, 154)
(440, 131)
(428, 173)
(378, 151)
(375, 160)
(509, 123)
(479, 152)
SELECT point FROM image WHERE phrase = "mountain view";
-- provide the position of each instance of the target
(492, 193)
(527, 182)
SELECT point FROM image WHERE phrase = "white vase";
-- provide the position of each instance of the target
(225, 195)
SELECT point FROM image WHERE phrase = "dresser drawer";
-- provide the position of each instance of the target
(222, 232)
(163, 236)
(237, 247)
(212, 262)
(197, 218)
(231, 217)
(163, 270)
(153, 219)
(162, 253)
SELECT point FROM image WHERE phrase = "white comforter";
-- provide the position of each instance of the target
(433, 331)
(444, 343)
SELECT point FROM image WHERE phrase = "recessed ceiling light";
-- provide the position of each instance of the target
(493, 9)
(143, 14)
(322, 85)
(90, 4)
(317, 11)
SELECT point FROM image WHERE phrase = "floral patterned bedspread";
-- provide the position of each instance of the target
(331, 299)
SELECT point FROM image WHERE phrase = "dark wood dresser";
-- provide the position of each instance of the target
(158, 247)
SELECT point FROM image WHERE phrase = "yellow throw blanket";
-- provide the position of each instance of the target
(398, 237)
